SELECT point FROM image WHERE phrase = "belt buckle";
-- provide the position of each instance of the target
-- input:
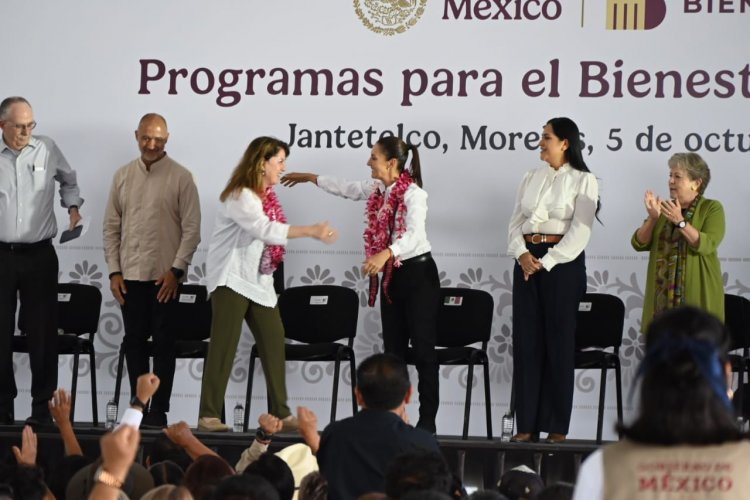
(534, 241)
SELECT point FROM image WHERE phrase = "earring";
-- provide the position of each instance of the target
(263, 171)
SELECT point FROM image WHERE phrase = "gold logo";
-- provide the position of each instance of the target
(389, 17)
(635, 14)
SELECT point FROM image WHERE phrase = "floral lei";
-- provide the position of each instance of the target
(378, 232)
(272, 255)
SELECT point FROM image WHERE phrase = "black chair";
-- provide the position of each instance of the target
(465, 318)
(318, 316)
(78, 308)
(600, 322)
(737, 321)
(189, 321)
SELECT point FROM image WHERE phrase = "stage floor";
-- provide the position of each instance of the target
(478, 461)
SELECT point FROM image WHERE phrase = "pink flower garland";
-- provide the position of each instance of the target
(273, 255)
(378, 232)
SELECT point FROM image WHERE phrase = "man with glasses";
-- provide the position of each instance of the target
(29, 167)
(151, 231)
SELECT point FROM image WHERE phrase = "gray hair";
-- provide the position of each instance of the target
(8, 102)
(695, 167)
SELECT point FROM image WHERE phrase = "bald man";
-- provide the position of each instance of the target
(151, 231)
(29, 167)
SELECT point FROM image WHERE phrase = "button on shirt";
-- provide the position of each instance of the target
(152, 221)
(550, 201)
(27, 190)
(414, 240)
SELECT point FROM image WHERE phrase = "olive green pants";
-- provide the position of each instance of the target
(229, 308)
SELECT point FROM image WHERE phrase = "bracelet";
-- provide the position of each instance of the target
(262, 435)
(104, 477)
(114, 274)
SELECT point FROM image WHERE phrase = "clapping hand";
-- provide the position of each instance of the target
(672, 210)
(653, 205)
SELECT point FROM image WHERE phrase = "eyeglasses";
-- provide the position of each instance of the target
(23, 126)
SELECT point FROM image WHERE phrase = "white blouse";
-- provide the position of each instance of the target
(241, 231)
(550, 201)
(414, 240)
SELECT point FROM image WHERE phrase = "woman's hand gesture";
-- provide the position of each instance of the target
(653, 205)
(293, 178)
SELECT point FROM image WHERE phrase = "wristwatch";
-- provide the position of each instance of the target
(262, 435)
(134, 401)
(104, 477)
(681, 224)
(178, 273)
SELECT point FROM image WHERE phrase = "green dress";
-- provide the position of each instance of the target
(704, 286)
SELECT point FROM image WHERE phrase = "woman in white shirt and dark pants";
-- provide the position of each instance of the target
(247, 245)
(548, 231)
(396, 244)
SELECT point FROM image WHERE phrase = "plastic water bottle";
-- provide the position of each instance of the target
(507, 427)
(239, 417)
(111, 414)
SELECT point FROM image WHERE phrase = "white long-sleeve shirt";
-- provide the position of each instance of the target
(414, 240)
(550, 201)
(241, 231)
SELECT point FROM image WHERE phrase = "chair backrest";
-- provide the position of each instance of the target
(464, 317)
(600, 321)
(737, 320)
(319, 313)
(78, 308)
(190, 313)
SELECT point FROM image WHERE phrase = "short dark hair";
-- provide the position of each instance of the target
(276, 471)
(245, 487)
(516, 484)
(383, 381)
(417, 470)
(313, 487)
(166, 472)
(163, 449)
(683, 391)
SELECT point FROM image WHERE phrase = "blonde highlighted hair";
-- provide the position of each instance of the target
(249, 172)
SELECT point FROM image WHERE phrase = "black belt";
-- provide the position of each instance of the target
(419, 258)
(23, 247)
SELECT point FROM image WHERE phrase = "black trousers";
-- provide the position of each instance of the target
(544, 324)
(412, 316)
(29, 274)
(145, 317)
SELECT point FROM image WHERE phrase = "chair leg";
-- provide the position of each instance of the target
(353, 370)
(74, 388)
(118, 377)
(335, 395)
(618, 381)
(467, 403)
(249, 393)
(94, 402)
(487, 400)
(600, 416)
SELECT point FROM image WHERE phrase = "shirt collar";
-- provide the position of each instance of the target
(564, 168)
(155, 164)
(33, 142)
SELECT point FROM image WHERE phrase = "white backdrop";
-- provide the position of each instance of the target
(91, 69)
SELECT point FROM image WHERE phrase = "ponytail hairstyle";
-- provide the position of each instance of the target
(567, 130)
(394, 147)
(249, 172)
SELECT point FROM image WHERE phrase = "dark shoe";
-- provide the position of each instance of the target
(525, 437)
(154, 420)
(40, 422)
(427, 426)
(555, 438)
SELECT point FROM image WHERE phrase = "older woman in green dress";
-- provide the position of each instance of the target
(682, 234)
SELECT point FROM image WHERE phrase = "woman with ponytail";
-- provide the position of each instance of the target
(396, 244)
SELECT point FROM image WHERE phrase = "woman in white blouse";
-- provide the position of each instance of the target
(548, 231)
(396, 244)
(247, 245)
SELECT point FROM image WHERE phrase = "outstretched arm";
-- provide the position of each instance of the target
(59, 408)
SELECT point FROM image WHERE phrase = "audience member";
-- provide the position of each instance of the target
(204, 474)
(313, 487)
(168, 492)
(166, 472)
(557, 491)
(353, 453)
(487, 495)
(245, 487)
(685, 442)
(63, 470)
(520, 483)
(418, 470)
(164, 449)
(276, 472)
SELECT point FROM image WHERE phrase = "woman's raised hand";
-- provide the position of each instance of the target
(653, 205)
(294, 178)
(324, 232)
